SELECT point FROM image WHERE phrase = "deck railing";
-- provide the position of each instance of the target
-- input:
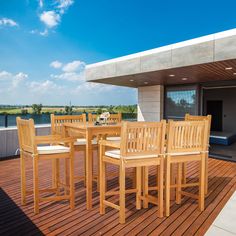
(9, 120)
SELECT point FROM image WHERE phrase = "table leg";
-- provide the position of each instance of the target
(89, 170)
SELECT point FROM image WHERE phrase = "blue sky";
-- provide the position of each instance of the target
(45, 44)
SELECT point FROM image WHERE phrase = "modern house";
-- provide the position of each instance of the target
(197, 76)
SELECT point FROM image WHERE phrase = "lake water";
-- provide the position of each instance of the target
(45, 118)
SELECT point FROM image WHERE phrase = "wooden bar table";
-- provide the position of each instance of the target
(89, 131)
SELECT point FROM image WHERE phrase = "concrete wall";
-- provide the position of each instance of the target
(206, 49)
(228, 96)
(150, 103)
(9, 139)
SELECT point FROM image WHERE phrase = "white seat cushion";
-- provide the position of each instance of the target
(82, 141)
(184, 153)
(52, 149)
(113, 138)
(116, 154)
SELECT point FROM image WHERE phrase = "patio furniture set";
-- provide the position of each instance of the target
(168, 146)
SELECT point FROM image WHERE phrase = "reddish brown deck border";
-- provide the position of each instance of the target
(58, 219)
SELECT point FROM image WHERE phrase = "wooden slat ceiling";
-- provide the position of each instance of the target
(195, 74)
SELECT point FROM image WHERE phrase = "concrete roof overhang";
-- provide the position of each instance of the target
(204, 59)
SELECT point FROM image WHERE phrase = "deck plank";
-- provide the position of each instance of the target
(58, 219)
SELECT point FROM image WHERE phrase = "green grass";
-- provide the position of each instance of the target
(121, 108)
(10, 110)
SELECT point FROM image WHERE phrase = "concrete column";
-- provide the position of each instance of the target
(150, 103)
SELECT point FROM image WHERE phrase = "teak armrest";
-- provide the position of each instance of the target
(52, 139)
(114, 144)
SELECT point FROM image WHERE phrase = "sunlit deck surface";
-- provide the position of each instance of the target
(58, 219)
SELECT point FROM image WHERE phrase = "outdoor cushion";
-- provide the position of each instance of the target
(116, 154)
(52, 149)
(114, 138)
(183, 153)
(82, 141)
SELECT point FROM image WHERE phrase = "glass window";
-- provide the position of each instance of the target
(179, 101)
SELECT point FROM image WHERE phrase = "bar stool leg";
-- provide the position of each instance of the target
(57, 176)
(184, 175)
(36, 185)
(53, 173)
(179, 178)
(23, 179)
(167, 186)
(66, 175)
(206, 175)
(160, 187)
(201, 201)
(145, 187)
(172, 181)
(102, 173)
(134, 181)
(84, 169)
(138, 187)
(122, 194)
(72, 185)
(98, 171)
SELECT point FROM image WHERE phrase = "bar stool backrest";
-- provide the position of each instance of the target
(26, 134)
(187, 137)
(58, 121)
(140, 139)
(189, 117)
(92, 118)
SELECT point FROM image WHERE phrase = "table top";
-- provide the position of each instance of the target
(92, 125)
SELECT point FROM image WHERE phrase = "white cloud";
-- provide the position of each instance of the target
(93, 88)
(44, 86)
(50, 18)
(72, 71)
(19, 78)
(19, 88)
(44, 33)
(69, 76)
(74, 66)
(41, 3)
(8, 22)
(64, 4)
(11, 79)
(4, 75)
(56, 64)
(10, 83)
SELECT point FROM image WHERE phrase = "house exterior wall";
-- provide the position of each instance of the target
(150, 103)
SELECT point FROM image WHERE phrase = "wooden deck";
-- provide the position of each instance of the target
(58, 219)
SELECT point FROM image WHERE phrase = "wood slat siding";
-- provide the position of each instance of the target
(9, 139)
(58, 219)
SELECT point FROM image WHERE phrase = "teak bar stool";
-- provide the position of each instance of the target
(114, 118)
(79, 141)
(189, 117)
(29, 148)
(187, 141)
(142, 145)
